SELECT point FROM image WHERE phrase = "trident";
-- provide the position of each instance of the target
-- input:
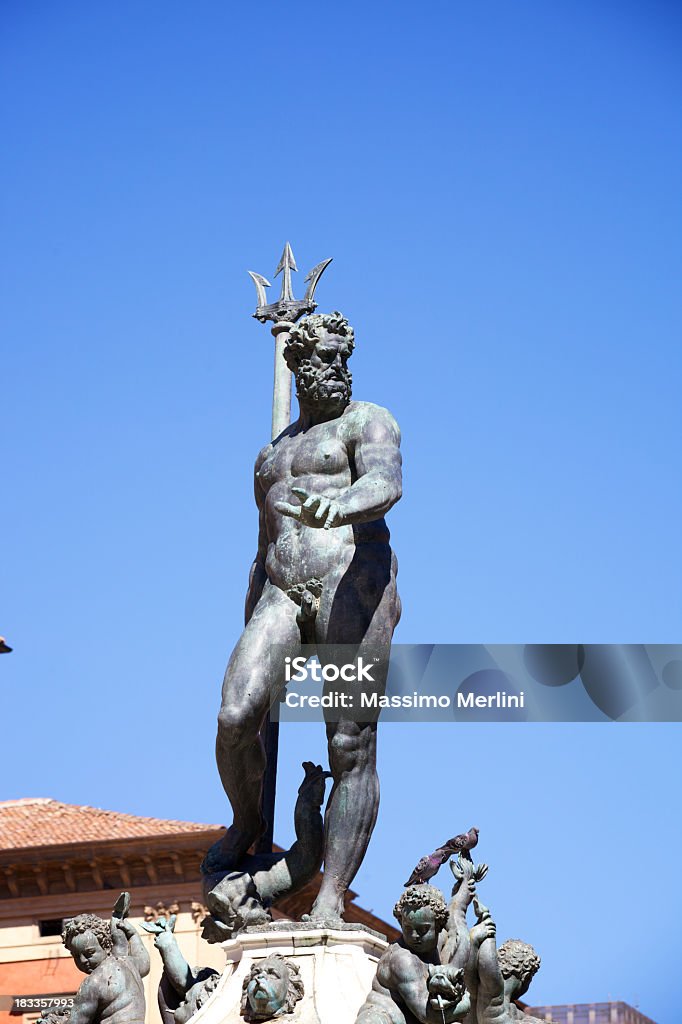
(284, 313)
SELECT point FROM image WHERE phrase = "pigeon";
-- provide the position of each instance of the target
(464, 842)
(430, 865)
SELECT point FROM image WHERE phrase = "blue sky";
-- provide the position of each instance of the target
(499, 188)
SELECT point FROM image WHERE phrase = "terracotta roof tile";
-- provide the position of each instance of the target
(39, 821)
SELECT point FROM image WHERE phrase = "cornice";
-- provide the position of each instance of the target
(108, 866)
(123, 846)
(144, 898)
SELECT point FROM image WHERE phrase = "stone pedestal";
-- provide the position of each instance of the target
(337, 968)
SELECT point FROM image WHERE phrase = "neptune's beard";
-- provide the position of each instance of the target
(328, 388)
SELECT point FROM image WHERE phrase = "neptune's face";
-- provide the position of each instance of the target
(324, 378)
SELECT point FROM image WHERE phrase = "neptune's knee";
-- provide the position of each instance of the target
(238, 723)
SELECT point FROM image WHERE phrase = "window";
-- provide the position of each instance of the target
(51, 926)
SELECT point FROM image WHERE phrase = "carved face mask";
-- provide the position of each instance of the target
(267, 989)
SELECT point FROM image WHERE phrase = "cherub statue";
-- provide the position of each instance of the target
(420, 978)
(497, 977)
(112, 955)
(272, 989)
(440, 971)
(182, 990)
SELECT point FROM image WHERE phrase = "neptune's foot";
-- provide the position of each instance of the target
(325, 914)
(229, 852)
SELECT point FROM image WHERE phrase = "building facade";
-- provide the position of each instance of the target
(58, 860)
(590, 1013)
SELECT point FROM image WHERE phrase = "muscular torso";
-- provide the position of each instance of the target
(321, 460)
(404, 975)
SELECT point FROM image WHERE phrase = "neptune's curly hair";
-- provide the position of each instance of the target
(304, 335)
